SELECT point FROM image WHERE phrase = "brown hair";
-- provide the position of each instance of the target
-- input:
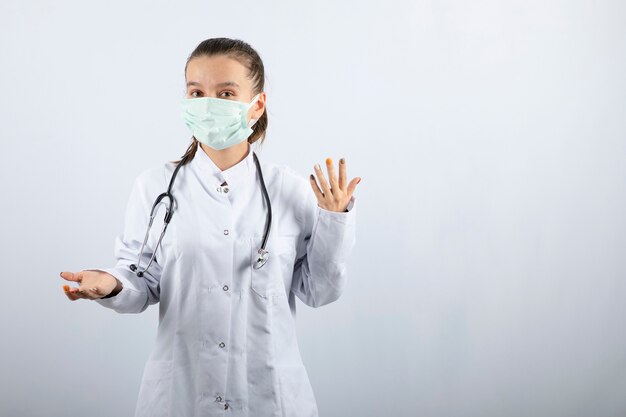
(249, 58)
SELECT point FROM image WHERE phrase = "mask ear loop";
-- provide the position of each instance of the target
(254, 100)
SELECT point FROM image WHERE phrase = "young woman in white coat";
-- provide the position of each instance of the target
(226, 340)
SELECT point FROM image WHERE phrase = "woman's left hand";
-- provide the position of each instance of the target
(334, 196)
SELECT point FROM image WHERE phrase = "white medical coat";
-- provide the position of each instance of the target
(226, 339)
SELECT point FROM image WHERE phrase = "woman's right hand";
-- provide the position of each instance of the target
(93, 284)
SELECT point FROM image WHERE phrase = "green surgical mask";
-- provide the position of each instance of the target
(217, 122)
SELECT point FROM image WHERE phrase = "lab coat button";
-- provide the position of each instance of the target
(225, 231)
(218, 399)
(226, 406)
(225, 287)
(225, 189)
(222, 344)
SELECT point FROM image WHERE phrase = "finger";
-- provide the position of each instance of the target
(332, 177)
(352, 185)
(78, 293)
(316, 188)
(322, 180)
(342, 174)
(70, 292)
(71, 296)
(70, 276)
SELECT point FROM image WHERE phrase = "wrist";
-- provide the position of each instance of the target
(116, 290)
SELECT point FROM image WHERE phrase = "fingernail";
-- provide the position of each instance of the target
(329, 161)
(312, 177)
(317, 166)
(66, 288)
(342, 161)
(359, 180)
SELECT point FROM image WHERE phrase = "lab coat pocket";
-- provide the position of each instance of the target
(296, 394)
(271, 278)
(154, 398)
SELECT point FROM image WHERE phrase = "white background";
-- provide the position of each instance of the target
(488, 274)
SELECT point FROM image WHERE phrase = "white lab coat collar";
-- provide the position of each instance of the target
(237, 175)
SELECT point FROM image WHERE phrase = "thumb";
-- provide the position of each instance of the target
(70, 276)
(352, 185)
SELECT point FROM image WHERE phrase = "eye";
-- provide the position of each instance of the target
(192, 93)
(227, 92)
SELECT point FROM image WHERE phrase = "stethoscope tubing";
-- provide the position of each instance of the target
(262, 252)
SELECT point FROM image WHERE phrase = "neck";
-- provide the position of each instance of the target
(226, 158)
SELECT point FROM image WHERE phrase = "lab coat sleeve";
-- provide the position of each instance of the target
(137, 293)
(320, 273)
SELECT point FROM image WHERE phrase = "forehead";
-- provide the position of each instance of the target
(213, 70)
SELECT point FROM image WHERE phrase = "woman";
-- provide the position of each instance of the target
(226, 337)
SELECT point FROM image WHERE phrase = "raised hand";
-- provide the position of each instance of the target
(334, 196)
(93, 284)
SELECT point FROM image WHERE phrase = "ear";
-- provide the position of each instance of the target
(259, 106)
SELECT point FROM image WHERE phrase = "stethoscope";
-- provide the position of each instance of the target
(262, 252)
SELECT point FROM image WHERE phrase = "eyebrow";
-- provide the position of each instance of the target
(224, 84)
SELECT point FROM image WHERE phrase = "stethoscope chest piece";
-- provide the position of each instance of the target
(263, 256)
